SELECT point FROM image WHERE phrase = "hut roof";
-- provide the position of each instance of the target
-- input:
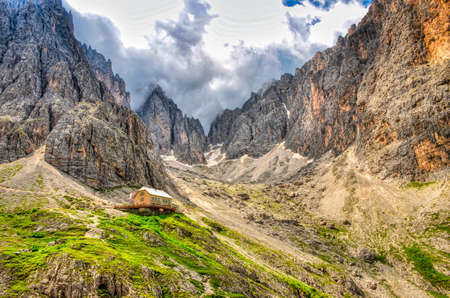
(156, 192)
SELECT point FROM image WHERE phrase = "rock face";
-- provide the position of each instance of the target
(105, 145)
(43, 73)
(104, 73)
(62, 278)
(384, 86)
(403, 111)
(172, 130)
(55, 93)
(221, 127)
(258, 126)
(314, 110)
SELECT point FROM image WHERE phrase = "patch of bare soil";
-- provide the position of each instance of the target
(35, 181)
(325, 215)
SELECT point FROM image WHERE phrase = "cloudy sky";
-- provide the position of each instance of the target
(209, 55)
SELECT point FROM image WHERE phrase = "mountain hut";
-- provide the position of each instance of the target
(152, 198)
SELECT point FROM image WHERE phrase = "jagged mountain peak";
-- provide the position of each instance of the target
(104, 73)
(330, 102)
(100, 60)
(156, 97)
(153, 87)
(172, 130)
(38, 55)
(56, 93)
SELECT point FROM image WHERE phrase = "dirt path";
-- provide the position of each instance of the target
(376, 205)
(8, 189)
(232, 218)
(54, 182)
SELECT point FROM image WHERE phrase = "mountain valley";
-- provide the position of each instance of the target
(330, 182)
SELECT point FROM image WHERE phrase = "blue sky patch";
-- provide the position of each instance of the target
(326, 5)
(290, 3)
(366, 3)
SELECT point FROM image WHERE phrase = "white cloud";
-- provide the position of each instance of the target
(208, 57)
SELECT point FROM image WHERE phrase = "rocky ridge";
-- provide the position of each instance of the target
(53, 93)
(403, 115)
(173, 131)
(221, 127)
(383, 86)
(44, 73)
(104, 146)
(104, 73)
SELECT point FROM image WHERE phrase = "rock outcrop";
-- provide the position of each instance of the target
(61, 278)
(55, 93)
(221, 127)
(384, 86)
(173, 131)
(105, 145)
(403, 111)
(104, 73)
(43, 73)
(258, 126)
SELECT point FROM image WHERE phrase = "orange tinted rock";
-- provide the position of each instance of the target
(429, 157)
(375, 89)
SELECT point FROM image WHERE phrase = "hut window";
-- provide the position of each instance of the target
(142, 199)
(142, 194)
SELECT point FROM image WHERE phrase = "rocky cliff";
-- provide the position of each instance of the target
(172, 130)
(52, 93)
(105, 145)
(104, 73)
(43, 73)
(221, 127)
(403, 112)
(384, 86)
(255, 128)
